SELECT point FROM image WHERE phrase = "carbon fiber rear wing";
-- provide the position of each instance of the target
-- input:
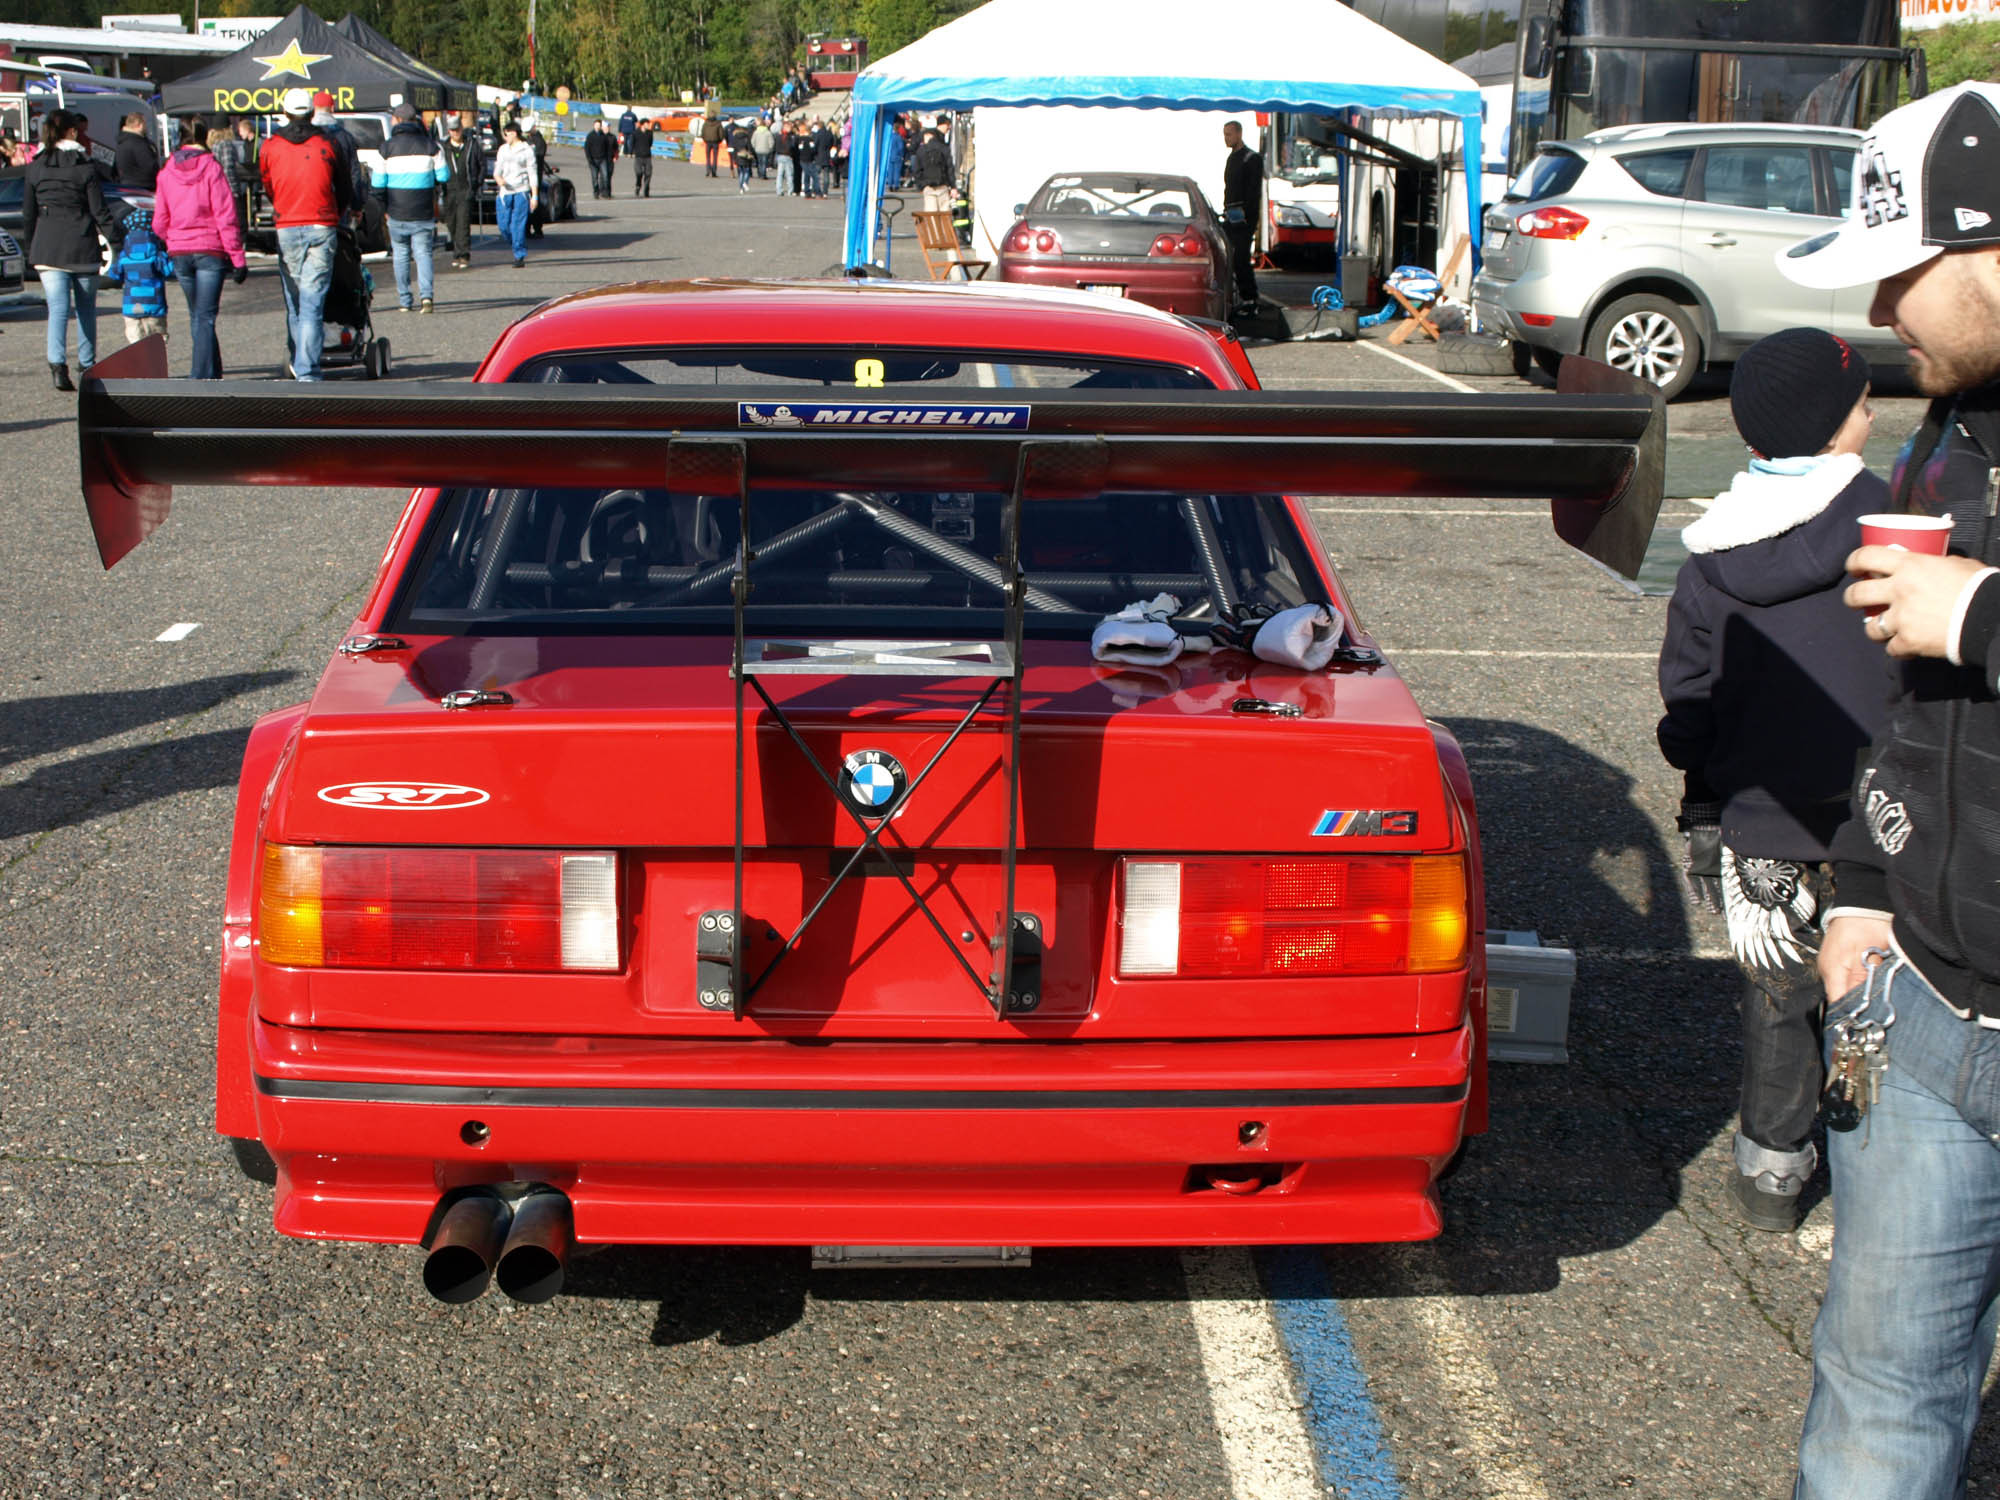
(1595, 450)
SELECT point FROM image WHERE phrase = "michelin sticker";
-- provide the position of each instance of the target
(784, 416)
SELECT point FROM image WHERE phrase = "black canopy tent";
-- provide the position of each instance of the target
(458, 94)
(302, 51)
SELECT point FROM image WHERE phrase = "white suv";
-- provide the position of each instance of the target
(1650, 247)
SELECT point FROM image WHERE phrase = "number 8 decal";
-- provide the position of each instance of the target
(868, 373)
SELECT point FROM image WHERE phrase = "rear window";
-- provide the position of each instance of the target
(1552, 171)
(1662, 172)
(874, 562)
(1116, 198)
(367, 130)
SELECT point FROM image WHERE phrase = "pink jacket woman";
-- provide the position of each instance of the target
(193, 213)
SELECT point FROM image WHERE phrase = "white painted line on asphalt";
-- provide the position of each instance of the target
(1395, 651)
(1257, 1417)
(1466, 1384)
(179, 632)
(1456, 385)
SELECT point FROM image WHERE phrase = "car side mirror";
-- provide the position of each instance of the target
(1538, 47)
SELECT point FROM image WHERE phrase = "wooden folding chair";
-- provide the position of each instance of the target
(938, 240)
(1419, 314)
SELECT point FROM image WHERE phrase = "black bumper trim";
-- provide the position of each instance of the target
(821, 1099)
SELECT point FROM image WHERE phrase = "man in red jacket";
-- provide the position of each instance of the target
(309, 192)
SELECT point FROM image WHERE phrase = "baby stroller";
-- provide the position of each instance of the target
(350, 337)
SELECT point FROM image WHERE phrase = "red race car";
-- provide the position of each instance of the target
(624, 882)
(1153, 239)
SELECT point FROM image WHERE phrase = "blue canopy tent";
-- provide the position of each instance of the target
(1156, 54)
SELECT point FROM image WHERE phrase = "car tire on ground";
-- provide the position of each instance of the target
(1474, 354)
(1647, 336)
(1529, 357)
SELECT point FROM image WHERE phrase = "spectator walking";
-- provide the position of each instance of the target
(761, 144)
(311, 191)
(1772, 689)
(466, 165)
(413, 169)
(628, 126)
(141, 271)
(933, 169)
(642, 160)
(784, 153)
(711, 140)
(822, 144)
(599, 147)
(1242, 203)
(518, 189)
(137, 158)
(741, 155)
(809, 176)
(63, 214)
(1905, 1332)
(324, 118)
(194, 216)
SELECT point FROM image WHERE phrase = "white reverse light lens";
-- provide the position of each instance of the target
(590, 911)
(1150, 942)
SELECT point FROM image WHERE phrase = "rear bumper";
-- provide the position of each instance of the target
(761, 1142)
(1501, 305)
(1171, 288)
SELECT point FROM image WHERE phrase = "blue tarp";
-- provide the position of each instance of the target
(1022, 52)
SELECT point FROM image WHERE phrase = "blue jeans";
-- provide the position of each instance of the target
(809, 175)
(743, 168)
(69, 292)
(785, 167)
(408, 238)
(305, 265)
(1906, 1331)
(201, 281)
(510, 212)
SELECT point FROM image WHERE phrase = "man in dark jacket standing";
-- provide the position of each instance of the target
(933, 169)
(711, 140)
(1242, 202)
(599, 147)
(1911, 956)
(467, 165)
(310, 192)
(138, 159)
(642, 160)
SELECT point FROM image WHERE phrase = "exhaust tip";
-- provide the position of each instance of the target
(535, 1260)
(465, 1248)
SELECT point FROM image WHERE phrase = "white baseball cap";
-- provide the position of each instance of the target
(1927, 181)
(296, 102)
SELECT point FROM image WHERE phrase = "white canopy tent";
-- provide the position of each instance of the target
(1298, 56)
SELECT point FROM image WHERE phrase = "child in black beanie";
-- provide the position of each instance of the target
(1772, 688)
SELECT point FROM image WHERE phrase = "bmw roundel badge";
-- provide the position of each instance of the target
(871, 781)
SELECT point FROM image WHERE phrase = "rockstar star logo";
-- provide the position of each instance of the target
(292, 61)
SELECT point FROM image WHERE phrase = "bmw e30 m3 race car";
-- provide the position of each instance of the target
(621, 881)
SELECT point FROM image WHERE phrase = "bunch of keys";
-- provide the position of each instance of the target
(1860, 1056)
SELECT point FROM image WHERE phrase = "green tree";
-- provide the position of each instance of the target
(891, 25)
(1962, 51)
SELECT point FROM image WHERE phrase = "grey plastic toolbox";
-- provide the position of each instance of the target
(1527, 998)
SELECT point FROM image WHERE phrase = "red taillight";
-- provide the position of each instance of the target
(381, 908)
(1163, 244)
(1020, 239)
(1046, 242)
(1551, 224)
(1241, 918)
(1189, 243)
(1193, 244)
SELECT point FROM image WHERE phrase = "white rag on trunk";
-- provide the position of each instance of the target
(1305, 637)
(1141, 634)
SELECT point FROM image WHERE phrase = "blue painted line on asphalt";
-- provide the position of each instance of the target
(1340, 1415)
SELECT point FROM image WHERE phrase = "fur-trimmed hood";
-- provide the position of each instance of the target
(1774, 535)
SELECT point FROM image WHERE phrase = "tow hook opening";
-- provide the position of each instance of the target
(1238, 1179)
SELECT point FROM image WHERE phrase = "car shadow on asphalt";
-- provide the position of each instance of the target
(87, 786)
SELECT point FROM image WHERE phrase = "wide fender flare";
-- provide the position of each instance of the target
(1457, 774)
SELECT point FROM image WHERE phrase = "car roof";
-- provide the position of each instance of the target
(1711, 134)
(858, 312)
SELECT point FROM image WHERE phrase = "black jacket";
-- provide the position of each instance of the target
(600, 145)
(1771, 684)
(1924, 843)
(933, 163)
(468, 167)
(138, 160)
(642, 144)
(63, 212)
(1243, 182)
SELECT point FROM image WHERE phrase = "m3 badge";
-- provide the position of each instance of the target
(1364, 824)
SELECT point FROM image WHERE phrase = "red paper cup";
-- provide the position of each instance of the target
(1928, 534)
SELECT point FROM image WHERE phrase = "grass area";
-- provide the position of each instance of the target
(1961, 51)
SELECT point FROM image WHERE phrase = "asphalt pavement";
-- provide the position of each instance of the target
(1590, 1324)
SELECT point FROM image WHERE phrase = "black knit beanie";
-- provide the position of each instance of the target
(1791, 391)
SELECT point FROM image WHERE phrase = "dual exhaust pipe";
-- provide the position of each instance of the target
(524, 1245)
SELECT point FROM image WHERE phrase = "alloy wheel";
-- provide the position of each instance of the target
(1646, 344)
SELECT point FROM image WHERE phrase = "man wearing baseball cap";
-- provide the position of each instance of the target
(309, 192)
(1912, 940)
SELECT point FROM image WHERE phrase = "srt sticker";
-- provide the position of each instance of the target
(402, 796)
(1334, 824)
(791, 416)
(871, 780)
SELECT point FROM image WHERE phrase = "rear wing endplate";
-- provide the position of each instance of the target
(1595, 450)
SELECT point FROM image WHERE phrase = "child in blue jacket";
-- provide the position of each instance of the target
(142, 267)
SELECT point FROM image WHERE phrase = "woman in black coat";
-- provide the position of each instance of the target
(63, 214)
